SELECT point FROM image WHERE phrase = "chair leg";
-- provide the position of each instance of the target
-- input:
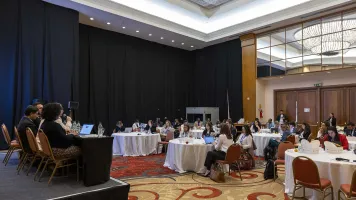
(295, 187)
(77, 170)
(238, 167)
(29, 168)
(39, 168)
(54, 171)
(9, 156)
(23, 163)
(332, 193)
(274, 172)
(303, 192)
(43, 170)
(21, 160)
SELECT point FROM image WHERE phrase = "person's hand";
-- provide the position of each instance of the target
(73, 132)
(69, 119)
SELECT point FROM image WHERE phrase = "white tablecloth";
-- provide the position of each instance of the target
(261, 141)
(337, 172)
(132, 144)
(352, 145)
(183, 157)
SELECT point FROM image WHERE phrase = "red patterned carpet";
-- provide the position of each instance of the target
(142, 166)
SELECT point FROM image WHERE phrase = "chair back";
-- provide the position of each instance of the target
(309, 176)
(291, 138)
(6, 134)
(31, 140)
(169, 136)
(282, 147)
(46, 147)
(18, 137)
(353, 185)
(233, 153)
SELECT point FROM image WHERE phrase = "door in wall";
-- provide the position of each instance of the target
(333, 100)
(286, 100)
(351, 104)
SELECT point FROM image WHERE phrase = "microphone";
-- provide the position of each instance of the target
(64, 117)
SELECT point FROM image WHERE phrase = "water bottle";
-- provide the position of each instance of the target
(100, 129)
(79, 127)
(74, 126)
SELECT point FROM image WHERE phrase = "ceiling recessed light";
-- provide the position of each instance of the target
(123, 27)
(108, 23)
(281, 77)
(192, 46)
(328, 72)
(172, 40)
(162, 38)
(91, 19)
(150, 34)
(137, 31)
(182, 43)
(302, 74)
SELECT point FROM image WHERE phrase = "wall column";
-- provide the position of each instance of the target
(248, 44)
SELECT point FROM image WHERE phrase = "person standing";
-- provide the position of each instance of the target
(281, 118)
(332, 119)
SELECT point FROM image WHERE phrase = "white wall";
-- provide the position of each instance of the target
(265, 88)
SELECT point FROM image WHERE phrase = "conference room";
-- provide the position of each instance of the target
(177, 99)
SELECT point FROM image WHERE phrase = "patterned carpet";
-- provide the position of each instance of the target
(149, 180)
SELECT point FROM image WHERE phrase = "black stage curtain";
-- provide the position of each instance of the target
(218, 77)
(38, 56)
(124, 78)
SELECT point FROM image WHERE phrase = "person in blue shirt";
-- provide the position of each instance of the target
(269, 124)
(285, 132)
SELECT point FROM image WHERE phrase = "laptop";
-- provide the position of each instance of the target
(274, 130)
(209, 140)
(86, 129)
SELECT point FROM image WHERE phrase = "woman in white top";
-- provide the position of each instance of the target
(185, 132)
(221, 146)
(167, 127)
(246, 141)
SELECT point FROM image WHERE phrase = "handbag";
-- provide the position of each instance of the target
(217, 174)
(245, 162)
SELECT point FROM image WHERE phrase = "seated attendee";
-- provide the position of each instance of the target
(305, 133)
(150, 127)
(27, 121)
(221, 146)
(185, 132)
(136, 126)
(62, 144)
(158, 122)
(176, 124)
(292, 127)
(120, 128)
(167, 127)
(334, 137)
(350, 129)
(269, 124)
(198, 124)
(216, 127)
(39, 106)
(332, 119)
(245, 140)
(209, 131)
(232, 128)
(181, 129)
(64, 121)
(285, 132)
(323, 130)
(255, 127)
(208, 120)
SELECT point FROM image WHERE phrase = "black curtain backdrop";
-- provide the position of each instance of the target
(38, 56)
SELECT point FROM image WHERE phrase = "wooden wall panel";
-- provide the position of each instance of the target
(352, 105)
(333, 100)
(248, 44)
(307, 99)
(286, 101)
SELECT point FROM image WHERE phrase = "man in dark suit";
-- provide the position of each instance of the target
(350, 129)
(28, 121)
(332, 120)
(39, 106)
(281, 118)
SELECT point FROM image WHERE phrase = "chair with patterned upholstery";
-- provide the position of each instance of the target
(348, 190)
(282, 148)
(233, 154)
(13, 145)
(309, 178)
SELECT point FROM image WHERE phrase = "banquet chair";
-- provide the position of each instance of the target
(291, 138)
(13, 145)
(309, 178)
(36, 153)
(24, 153)
(170, 136)
(232, 156)
(348, 190)
(282, 148)
(59, 162)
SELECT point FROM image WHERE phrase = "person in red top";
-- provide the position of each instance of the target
(336, 138)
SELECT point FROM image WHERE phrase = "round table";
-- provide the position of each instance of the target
(135, 144)
(183, 157)
(337, 172)
(261, 140)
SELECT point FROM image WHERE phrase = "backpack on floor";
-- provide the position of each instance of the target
(269, 153)
(268, 174)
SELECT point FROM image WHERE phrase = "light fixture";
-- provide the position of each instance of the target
(162, 38)
(91, 19)
(332, 41)
(172, 40)
(123, 27)
(302, 74)
(108, 23)
(328, 72)
(150, 34)
(137, 31)
(192, 46)
(182, 43)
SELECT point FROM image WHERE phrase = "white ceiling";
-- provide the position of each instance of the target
(183, 21)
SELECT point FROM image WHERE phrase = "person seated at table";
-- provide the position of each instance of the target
(269, 124)
(216, 127)
(245, 140)
(176, 124)
(185, 132)
(136, 126)
(232, 128)
(292, 127)
(158, 122)
(120, 128)
(209, 131)
(221, 146)
(334, 137)
(150, 127)
(285, 132)
(323, 130)
(256, 126)
(181, 128)
(305, 133)
(63, 145)
(350, 129)
(198, 124)
(167, 127)
(28, 121)
(277, 127)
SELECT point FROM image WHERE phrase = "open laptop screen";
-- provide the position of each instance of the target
(86, 129)
(209, 140)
